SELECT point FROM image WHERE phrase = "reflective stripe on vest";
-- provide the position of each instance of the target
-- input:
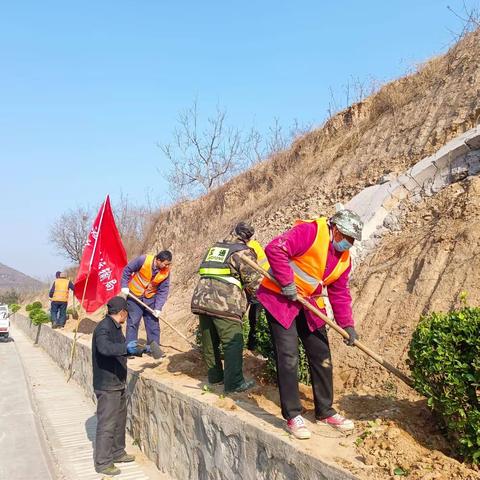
(142, 284)
(309, 268)
(262, 259)
(60, 293)
(224, 276)
(215, 263)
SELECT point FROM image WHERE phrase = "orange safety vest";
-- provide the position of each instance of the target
(309, 268)
(142, 284)
(60, 293)
(260, 252)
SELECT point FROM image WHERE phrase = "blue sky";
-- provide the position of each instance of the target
(88, 89)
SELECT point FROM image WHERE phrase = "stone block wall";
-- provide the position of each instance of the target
(377, 205)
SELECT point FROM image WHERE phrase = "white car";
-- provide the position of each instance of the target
(4, 322)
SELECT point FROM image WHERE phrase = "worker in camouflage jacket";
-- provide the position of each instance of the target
(220, 299)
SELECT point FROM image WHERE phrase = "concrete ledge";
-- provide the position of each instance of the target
(187, 438)
(377, 204)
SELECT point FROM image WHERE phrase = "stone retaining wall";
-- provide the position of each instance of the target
(378, 205)
(185, 437)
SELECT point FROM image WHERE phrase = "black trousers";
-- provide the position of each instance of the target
(254, 311)
(285, 343)
(111, 421)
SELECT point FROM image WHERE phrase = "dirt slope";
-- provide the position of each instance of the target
(405, 121)
(424, 267)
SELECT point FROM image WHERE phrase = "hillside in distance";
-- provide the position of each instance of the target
(11, 279)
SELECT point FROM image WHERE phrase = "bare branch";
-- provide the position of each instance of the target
(202, 159)
(70, 232)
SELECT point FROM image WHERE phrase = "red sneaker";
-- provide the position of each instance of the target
(296, 426)
(338, 422)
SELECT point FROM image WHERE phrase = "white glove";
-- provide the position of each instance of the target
(157, 313)
(125, 291)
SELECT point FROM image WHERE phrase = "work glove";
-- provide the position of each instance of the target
(124, 292)
(290, 291)
(352, 334)
(134, 348)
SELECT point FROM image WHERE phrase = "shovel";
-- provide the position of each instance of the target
(74, 310)
(388, 366)
(155, 349)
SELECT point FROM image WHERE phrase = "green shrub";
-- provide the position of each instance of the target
(265, 348)
(33, 306)
(14, 307)
(445, 362)
(38, 316)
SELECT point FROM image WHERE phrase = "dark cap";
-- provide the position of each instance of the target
(116, 305)
(244, 231)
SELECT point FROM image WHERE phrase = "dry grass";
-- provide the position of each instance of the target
(399, 124)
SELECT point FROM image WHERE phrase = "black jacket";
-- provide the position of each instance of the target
(109, 356)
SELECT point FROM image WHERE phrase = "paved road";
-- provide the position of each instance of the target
(68, 420)
(24, 453)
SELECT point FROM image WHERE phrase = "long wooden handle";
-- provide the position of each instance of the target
(388, 366)
(152, 311)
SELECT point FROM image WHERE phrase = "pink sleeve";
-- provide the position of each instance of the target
(341, 301)
(292, 243)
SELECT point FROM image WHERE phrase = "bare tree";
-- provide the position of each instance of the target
(470, 18)
(204, 158)
(276, 139)
(69, 233)
(131, 219)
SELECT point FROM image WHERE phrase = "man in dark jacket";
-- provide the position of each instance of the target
(109, 359)
(221, 299)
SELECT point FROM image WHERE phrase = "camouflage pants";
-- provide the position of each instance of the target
(215, 331)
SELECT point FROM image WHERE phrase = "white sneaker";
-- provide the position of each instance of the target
(296, 426)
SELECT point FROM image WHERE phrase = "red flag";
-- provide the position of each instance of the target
(103, 260)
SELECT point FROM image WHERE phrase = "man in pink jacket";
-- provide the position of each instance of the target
(305, 260)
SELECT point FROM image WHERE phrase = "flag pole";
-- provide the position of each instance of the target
(72, 352)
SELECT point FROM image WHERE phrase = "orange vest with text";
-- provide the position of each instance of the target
(309, 268)
(142, 284)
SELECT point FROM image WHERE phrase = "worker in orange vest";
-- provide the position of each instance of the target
(59, 299)
(304, 260)
(148, 278)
